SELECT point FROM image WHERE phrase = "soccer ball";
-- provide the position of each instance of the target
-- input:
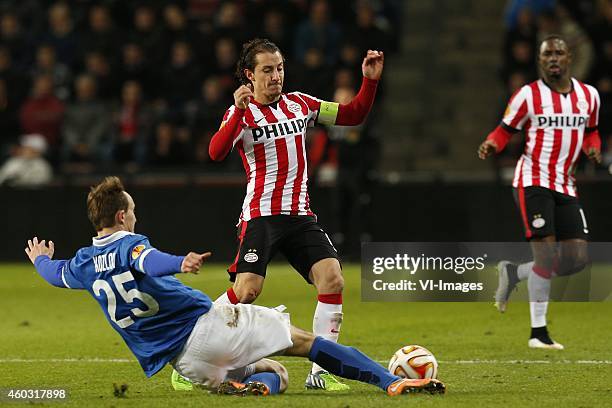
(413, 362)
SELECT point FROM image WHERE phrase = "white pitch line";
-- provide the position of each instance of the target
(67, 360)
(298, 361)
(602, 362)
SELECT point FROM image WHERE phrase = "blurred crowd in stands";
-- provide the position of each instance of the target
(586, 25)
(124, 85)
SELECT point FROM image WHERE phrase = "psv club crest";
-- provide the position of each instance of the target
(538, 221)
(251, 256)
(294, 107)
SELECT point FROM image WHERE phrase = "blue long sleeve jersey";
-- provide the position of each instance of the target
(134, 285)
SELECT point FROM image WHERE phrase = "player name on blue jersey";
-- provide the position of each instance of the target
(105, 262)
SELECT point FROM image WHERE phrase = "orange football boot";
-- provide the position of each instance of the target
(242, 390)
(409, 386)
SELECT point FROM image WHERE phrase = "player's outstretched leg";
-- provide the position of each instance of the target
(350, 363)
(507, 280)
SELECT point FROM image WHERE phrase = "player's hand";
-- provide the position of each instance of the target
(594, 155)
(486, 148)
(243, 96)
(36, 249)
(193, 262)
(373, 63)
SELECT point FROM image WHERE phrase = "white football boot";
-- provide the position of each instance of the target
(536, 343)
(507, 280)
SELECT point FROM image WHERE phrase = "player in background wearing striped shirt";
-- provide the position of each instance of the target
(267, 128)
(559, 115)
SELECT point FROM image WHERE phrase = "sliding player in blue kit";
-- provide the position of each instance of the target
(218, 347)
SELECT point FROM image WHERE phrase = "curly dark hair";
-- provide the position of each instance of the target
(249, 51)
(103, 202)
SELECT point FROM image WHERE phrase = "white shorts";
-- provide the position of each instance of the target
(230, 337)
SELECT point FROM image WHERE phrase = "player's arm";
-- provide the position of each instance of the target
(355, 112)
(41, 257)
(156, 263)
(591, 145)
(223, 141)
(514, 118)
(496, 141)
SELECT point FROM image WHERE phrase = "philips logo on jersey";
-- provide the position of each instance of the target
(279, 129)
(105, 262)
(557, 121)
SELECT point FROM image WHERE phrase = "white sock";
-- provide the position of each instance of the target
(326, 323)
(538, 310)
(539, 292)
(523, 270)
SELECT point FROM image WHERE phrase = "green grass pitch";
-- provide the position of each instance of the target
(57, 338)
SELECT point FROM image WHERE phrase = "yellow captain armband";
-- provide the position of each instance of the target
(328, 113)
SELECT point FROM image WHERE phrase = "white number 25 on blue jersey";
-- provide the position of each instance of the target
(129, 297)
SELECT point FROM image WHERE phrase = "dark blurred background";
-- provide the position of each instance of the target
(137, 89)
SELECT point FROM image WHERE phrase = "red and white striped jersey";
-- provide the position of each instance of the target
(555, 125)
(271, 142)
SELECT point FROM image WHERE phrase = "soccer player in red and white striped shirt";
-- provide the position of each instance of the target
(267, 128)
(559, 115)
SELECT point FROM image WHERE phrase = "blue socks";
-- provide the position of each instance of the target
(348, 362)
(272, 380)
